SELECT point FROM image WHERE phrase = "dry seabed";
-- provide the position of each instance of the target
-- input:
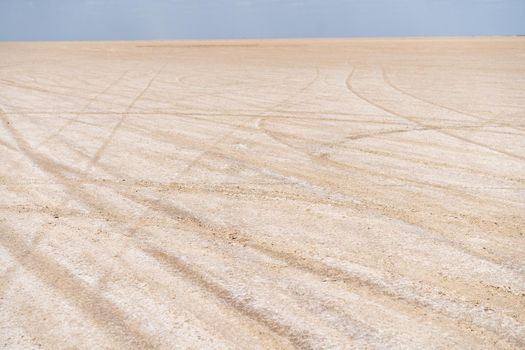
(263, 194)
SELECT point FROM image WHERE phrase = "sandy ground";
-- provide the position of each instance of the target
(253, 195)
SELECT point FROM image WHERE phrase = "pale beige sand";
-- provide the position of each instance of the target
(278, 194)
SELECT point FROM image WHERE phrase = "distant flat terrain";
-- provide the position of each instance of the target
(263, 194)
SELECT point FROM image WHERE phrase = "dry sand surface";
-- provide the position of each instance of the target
(263, 194)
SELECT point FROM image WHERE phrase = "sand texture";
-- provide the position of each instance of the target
(313, 194)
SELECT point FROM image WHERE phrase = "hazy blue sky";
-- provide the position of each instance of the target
(211, 19)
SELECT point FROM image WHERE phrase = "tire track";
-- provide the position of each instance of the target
(395, 87)
(369, 288)
(416, 121)
(49, 166)
(213, 146)
(84, 108)
(379, 208)
(235, 237)
(105, 315)
(75, 120)
(297, 339)
(317, 180)
(96, 157)
(324, 160)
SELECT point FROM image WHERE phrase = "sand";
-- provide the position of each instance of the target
(263, 194)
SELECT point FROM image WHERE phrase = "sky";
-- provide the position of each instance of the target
(242, 19)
